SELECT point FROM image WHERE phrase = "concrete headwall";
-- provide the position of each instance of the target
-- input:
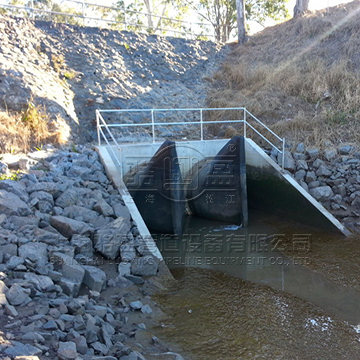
(270, 189)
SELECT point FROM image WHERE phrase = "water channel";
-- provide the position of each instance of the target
(238, 296)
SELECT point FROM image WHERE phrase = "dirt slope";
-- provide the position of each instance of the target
(302, 75)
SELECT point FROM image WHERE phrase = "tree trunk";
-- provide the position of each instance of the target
(240, 10)
(301, 7)
(149, 13)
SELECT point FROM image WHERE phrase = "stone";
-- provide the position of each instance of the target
(67, 351)
(298, 156)
(146, 309)
(10, 310)
(34, 336)
(289, 162)
(323, 171)
(322, 193)
(122, 282)
(340, 189)
(81, 344)
(20, 349)
(95, 278)
(67, 198)
(300, 175)
(313, 153)
(16, 188)
(49, 187)
(100, 348)
(3, 287)
(70, 269)
(144, 266)
(127, 252)
(4, 169)
(50, 325)
(136, 305)
(83, 245)
(11, 204)
(310, 177)
(104, 208)
(300, 148)
(337, 199)
(124, 268)
(108, 238)
(34, 251)
(10, 249)
(330, 154)
(68, 227)
(80, 213)
(14, 261)
(317, 163)
(41, 282)
(302, 165)
(17, 295)
(98, 310)
(346, 150)
(121, 210)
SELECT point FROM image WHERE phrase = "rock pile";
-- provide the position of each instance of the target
(58, 225)
(74, 70)
(331, 176)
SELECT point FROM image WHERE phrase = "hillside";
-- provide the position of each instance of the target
(66, 72)
(302, 77)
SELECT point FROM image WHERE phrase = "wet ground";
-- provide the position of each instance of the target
(302, 305)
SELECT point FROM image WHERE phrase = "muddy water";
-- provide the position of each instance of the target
(238, 297)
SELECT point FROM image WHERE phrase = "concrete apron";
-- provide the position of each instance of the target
(270, 189)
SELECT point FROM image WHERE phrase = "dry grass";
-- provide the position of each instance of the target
(301, 77)
(26, 130)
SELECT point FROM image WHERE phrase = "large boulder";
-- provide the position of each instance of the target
(11, 204)
(109, 238)
(322, 193)
(95, 278)
(68, 227)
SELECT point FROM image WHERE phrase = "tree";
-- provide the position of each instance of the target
(149, 13)
(240, 10)
(222, 14)
(301, 7)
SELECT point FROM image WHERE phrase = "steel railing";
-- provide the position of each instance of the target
(183, 28)
(101, 125)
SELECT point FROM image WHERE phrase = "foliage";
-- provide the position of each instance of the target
(69, 75)
(28, 129)
(261, 10)
(13, 176)
(222, 13)
(153, 14)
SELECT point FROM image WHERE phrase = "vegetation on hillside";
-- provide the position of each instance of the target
(301, 77)
(29, 129)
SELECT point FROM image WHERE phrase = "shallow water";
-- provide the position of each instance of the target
(218, 311)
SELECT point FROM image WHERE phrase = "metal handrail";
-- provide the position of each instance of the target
(101, 123)
(32, 9)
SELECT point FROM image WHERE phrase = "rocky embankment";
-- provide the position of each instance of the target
(73, 70)
(331, 176)
(75, 273)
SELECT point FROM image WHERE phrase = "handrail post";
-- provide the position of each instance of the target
(32, 9)
(125, 22)
(83, 11)
(245, 123)
(98, 126)
(153, 125)
(283, 155)
(201, 125)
